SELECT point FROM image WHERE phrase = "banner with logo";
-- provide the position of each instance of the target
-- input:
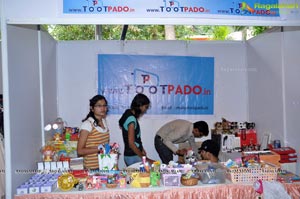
(174, 84)
(181, 8)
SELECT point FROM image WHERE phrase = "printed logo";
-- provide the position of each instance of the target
(245, 9)
(244, 6)
(175, 7)
(144, 78)
(94, 7)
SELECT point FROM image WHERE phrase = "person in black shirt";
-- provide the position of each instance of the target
(134, 150)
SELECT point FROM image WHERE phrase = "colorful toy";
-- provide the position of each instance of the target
(57, 137)
(115, 148)
(97, 182)
(89, 182)
(48, 152)
(190, 157)
(155, 178)
(66, 182)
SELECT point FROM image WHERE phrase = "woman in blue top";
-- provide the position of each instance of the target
(134, 150)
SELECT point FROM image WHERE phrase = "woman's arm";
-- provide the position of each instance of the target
(81, 149)
(131, 140)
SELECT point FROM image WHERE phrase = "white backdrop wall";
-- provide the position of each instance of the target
(25, 100)
(291, 69)
(77, 81)
(274, 96)
(265, 90)
(49, 79)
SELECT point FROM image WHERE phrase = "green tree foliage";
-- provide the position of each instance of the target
(259, 30)
(109, 32)
(143, 32)
(146, 32)
(72, 32)
(186, 32)
(220, 32)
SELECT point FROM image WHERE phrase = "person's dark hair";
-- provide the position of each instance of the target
(211, 147)
(138, 101)
(202, 126)
(93, 102)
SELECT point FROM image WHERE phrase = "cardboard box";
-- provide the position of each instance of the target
(48, 187)
(35, 188)
(272, 158)
(171, 179)
(22, 189)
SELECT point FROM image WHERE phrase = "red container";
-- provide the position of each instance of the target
(287, 154)
(247, 137)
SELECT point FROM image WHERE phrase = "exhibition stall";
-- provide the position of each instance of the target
(43, 79)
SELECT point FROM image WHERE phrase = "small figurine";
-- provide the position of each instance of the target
(135, 180)
(97, 182)
(48, 152)
(155, 178)
(80, 186)
(190, 157)
(101, 149)
(57, 137)
(89, 183)
(115, 148)
(68, 131)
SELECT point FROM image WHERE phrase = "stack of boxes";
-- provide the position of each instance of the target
(287, 154)
(45, 180)
(39, 183)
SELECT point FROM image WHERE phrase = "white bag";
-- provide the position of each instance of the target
(107, 161)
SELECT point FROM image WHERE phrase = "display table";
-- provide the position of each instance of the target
(201, 191)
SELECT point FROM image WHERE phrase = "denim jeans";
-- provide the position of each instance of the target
(129, 160)
(165, 154)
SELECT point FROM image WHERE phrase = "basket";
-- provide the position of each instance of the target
(111, 185)
(144, 179)
(250, 175)
(189, 181)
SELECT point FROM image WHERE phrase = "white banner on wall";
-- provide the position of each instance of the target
(182, 8)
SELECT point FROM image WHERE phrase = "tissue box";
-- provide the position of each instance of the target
(183, 169)
(39, 183)
(22, 189)
(35, 188)
(171, 179)
(48, 187)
